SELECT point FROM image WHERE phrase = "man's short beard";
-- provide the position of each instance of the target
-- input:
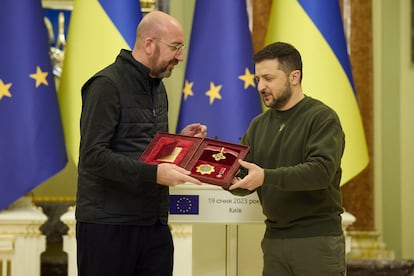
(280, 102)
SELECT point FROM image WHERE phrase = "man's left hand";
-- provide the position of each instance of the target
(196, 130)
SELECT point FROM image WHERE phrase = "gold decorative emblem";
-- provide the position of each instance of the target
(205, 169)
(220, 155)
(57, 52)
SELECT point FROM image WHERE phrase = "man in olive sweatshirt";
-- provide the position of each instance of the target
(295, 166)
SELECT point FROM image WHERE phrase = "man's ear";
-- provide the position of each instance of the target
(294, 77)
(149, 45)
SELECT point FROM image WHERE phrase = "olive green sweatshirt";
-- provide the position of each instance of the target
(300, 150)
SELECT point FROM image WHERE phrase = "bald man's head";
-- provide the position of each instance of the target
(159, 43)
(157, 24)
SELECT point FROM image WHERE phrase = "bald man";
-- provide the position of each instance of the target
(122, 205)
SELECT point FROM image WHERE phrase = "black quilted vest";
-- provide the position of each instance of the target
(143, 112)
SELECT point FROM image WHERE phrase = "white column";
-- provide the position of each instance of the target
(347, 220)
(21, 241)
(183, 249)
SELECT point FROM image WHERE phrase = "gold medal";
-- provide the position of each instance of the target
(220, 155)
(205, 169)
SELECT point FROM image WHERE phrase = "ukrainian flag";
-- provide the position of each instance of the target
(315, 28)
(98, 29)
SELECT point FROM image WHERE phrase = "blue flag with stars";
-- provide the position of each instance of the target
(32, 147)
(219, 88)
(184, 204)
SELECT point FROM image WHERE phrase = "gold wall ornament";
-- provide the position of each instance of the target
(147, 5)
(57, 51)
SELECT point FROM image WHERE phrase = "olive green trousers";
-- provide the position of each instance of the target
(314, 256)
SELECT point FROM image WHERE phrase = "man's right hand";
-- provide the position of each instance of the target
(172, 175)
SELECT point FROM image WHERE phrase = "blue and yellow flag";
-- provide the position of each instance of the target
(219, 89)
(98, 29)
(32, 148)
(315, 28)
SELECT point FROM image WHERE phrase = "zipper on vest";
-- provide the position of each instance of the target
(154, 83)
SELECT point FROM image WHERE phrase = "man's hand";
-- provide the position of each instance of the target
(252, 180)
(171, 175)
(196, 130)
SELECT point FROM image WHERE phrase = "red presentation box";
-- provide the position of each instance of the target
(209, 160)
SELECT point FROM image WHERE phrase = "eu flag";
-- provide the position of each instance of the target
(184, 204)
(318, 33)
(219, 89)
(32, 147)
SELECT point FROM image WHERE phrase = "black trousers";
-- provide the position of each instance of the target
(126, 250)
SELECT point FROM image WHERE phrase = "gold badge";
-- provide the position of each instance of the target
(205, 169)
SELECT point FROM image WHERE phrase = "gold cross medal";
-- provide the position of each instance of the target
(220, 155)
